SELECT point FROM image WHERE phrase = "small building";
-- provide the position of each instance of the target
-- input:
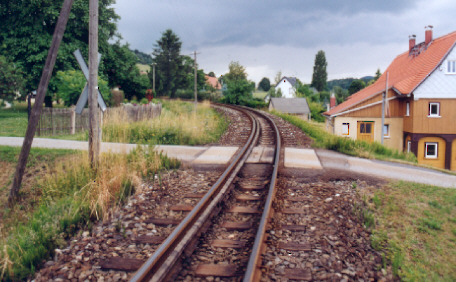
(213, 82)
(419, 89)
(287, 86)
(292, 106)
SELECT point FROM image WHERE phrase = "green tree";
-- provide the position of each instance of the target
(11, 80)
(378, 73)
(122, 71)
(239, 89)
(211, 74)
(169, 64)
(341, 94)
(303, 90)
(356, 85)
(28, 26)
(236, 72)
(69, 85)
(264, 84)
(319, 76)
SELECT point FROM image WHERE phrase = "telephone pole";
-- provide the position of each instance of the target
(94, 136)
(196, 80)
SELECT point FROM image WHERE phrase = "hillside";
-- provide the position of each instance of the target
(344, 83)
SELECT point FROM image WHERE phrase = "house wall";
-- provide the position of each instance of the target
(286, 88)
(439, 162)
(421, 123)
(453, 158)
(394, 141)
(440, 84)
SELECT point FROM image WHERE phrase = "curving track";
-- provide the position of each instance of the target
(238, 205)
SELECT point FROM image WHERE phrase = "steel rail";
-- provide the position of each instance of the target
(253, 272)
(156, 263)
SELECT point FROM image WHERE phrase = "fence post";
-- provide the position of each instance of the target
(73, 120)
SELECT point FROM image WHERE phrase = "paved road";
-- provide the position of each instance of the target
(298, 158)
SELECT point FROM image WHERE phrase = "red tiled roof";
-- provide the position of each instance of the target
(213, 81)
(405, 73)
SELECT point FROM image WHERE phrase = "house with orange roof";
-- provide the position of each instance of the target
(213, 82)
(417, 93)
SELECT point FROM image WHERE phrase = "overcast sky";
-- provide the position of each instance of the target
(266, 36)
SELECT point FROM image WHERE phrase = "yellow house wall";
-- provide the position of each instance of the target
(440, 161)
(453, 157)
(394, 141)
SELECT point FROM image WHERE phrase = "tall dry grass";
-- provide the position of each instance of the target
(178, 124)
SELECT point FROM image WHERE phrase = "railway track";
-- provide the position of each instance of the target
(222, 235)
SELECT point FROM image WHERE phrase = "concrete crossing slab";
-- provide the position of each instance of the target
(216, 155)
(301, 158)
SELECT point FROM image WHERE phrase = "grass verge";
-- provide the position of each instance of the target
(13, 121)
(324, 139)
(72, 195)
(178, 124)
(415, 229)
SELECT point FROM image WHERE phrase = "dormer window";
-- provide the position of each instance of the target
(451, 66)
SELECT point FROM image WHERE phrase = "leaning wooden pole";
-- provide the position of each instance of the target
(37, 108)
(94, 136)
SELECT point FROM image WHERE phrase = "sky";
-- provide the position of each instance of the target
(265, 36)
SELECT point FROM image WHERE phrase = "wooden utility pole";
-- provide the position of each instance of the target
(384, 97)
(94, 135)
(196, 80)
(38, 106)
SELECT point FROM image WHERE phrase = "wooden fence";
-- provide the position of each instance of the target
(56, 121)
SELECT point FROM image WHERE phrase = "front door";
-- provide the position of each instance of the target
(366, 131)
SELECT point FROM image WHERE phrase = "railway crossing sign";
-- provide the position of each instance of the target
(82, 101)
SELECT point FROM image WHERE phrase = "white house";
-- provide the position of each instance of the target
(287, 86)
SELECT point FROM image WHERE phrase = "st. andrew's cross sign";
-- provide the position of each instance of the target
(82, 101)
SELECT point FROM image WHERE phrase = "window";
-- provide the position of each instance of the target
(434, 109)
(451, 66)
(365, 127)
(407, 109)
(386, 130)
(430, 150)
(345, 128)
(409, 146)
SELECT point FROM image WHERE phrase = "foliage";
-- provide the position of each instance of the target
(168, 77)
(344, 83)
(324, 139)
(211, 74)
(69, 85)
(28, 26)
(316, 110)
(11, 80)
(356, 86)
(123, 72)
(341, 94)
(238, 91)
(264, 84)
(303, 90)
(414, 230)
(320, 76)
(188, 75)
(236, 72)
(143, 58)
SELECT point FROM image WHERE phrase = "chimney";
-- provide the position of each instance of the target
(428, 34)
(332, 101)
(412, 41)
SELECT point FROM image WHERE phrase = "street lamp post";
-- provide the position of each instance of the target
(153, 75)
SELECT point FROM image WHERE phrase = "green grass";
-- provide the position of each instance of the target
(324, 139)
(13, 122)
(260, 94)
(142, 67)
(10, 155)
(416, 230)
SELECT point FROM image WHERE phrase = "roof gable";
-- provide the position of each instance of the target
(291, 80)
(405, 73)
(290, 105)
